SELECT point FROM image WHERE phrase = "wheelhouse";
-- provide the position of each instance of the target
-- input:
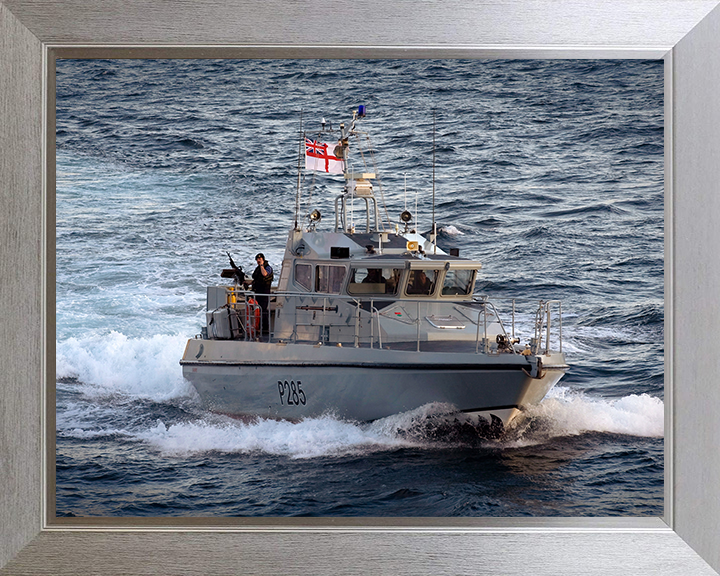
(427, 278)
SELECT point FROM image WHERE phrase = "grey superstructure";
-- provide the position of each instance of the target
(368, 323)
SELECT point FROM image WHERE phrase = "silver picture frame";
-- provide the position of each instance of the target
(684, 33)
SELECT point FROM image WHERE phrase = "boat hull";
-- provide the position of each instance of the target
(294, 381)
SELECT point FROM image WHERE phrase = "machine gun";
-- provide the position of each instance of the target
(235, 272)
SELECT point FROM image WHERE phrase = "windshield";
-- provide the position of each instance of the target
(374, 280)
(458, 282)
(421, 282)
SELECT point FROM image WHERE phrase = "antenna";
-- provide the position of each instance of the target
(405, 193)
(434, 224)
(300, 147)
(417, 215)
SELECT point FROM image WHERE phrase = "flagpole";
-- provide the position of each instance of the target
(297, 194)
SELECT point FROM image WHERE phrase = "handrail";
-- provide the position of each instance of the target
(548, 303)
(467, 299)
(417, 323)
(374, 313)
(246, 313)
(543, 320)
(487, 313)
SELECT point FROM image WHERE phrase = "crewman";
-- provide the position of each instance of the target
(262, 279)
(419, 283)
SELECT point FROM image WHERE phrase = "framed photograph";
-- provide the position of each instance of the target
(684, 538)
(547, 173)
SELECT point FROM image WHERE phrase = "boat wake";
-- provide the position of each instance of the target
(185, 431)
(569, 412)
(564, 412)
(131, 389)
(115, 364)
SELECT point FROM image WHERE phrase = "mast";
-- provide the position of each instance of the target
(300, 155)
(434, 224)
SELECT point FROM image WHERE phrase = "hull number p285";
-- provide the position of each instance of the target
(291, 393)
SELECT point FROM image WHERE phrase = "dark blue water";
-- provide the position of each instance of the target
(549, 172)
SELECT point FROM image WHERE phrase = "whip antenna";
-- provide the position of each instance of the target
(434, 225)
(297, 194)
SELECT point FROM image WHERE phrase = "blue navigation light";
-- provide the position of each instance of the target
(361, 111)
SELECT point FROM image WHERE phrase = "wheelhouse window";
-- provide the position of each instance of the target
(303, 276)
(329, 279)
(421, 282)
(374, 280)
(458, 282)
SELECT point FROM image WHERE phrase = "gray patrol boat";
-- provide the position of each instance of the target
(368, 323)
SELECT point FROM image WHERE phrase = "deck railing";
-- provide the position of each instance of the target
(544, 316)
(479, 311)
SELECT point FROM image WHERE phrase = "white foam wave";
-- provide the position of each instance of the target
(115, 364)
(567, 412)
(564, 412)
(147, 368)
(314, 437)
(451, 230)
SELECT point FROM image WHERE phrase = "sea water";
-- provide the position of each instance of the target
(548, 172)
